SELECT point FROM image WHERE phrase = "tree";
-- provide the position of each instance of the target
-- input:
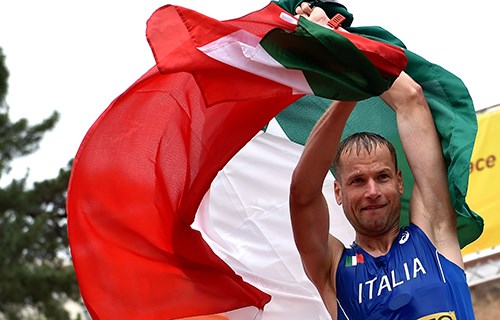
(36, 275)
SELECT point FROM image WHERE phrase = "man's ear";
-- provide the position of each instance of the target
(336, 189)
(400, 182)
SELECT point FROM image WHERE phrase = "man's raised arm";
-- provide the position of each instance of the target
(308, 207)
(430, 203)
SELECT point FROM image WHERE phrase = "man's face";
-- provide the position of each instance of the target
(369, 188)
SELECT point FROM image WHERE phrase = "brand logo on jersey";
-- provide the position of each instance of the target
(440, 316)
(404, 237)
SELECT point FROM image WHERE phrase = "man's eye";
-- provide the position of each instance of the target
(384, 177)
(357, 181)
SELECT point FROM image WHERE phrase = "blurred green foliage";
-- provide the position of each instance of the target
(36, 274)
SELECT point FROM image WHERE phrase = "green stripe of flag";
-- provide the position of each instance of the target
(333, 66)
(351, 261)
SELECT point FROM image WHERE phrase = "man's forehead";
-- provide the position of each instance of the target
(356, 159)
(360, 150)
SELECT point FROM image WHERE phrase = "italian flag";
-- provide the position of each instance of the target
(354, 260)
(177, 203)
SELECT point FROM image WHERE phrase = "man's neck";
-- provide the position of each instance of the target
(377, 246)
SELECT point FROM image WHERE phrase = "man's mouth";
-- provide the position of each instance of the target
(373, 207)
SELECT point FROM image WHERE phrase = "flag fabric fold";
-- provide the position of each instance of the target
(149, 160)
(133, 183)
(270, 44)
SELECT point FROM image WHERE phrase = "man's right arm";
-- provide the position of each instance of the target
(319, 251)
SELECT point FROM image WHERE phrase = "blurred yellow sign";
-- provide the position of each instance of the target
(483, 195)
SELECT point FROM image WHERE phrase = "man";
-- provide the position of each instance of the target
(388, 273)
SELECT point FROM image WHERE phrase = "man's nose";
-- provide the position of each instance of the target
(372, 189)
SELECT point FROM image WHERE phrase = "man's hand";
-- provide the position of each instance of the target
(315, 14)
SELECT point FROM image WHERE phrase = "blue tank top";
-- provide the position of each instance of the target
(412, 281)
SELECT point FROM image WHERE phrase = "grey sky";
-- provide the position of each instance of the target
(76, 57)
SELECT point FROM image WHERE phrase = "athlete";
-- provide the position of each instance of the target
(415, 272)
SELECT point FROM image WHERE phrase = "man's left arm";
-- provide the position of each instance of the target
(430, 204)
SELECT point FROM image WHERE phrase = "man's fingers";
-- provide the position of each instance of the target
(304, 9)
(319, 16)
